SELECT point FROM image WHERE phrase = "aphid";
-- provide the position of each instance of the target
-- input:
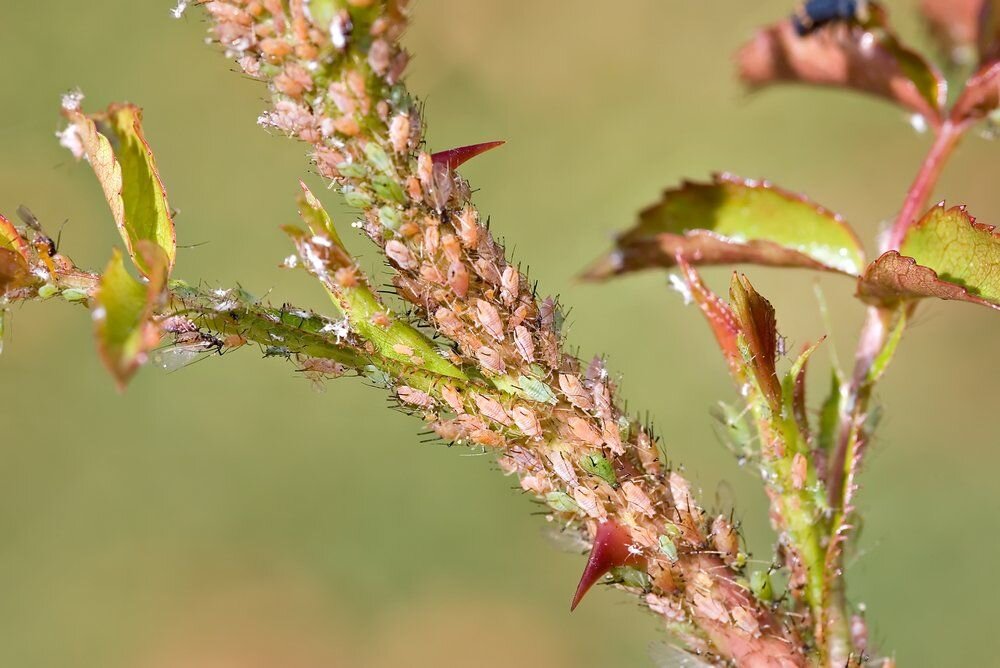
(491, 408)
(510, 283)
(400, 255)
(589, 503)
(524, 344)
(414, 397)
(563, 468)
(575, 392)
(491, 360)
(489, 318)
(800, 470)
(599, 466)
(583, 431)
(453, 398)
(458, 279)
(526, 421)
(638, 501)
(467, 227)
(814, 14)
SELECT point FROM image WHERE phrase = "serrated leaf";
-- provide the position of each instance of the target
(759, 330)
(947, 255)
(731, 221)
(719, 315)
(981, 95)
(116, 148)
(123, 312)
(868, 59)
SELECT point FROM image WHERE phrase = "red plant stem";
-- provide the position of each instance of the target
(923, 186)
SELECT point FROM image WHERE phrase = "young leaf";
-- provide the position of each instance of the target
(731, 220)
(718, 314)
(981, 95)
(759, 330)
(947, 255)
(123, 312)
(124, 166)
(867, 59)
(326, 258)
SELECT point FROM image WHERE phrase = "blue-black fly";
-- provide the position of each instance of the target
(814, 14)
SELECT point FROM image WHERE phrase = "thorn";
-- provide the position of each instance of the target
(453, 158)
(610, 550)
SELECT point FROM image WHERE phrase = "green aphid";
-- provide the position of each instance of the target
(378, 377)
(387, 188)
(760, 585)
(48, 290)
(390, 218)
(630, 577)
(354, 170)
(668, 548)
(378, 158)
(562, 502)
(599, 466)
(356, 199)
(536, 390)
(672, 530)
(75, 295)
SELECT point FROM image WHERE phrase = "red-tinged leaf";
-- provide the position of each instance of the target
(720, 317)
(116, 148)
(866, 59)
(11, 239)
(123, 312)
(610, 551)
(759, 328)
(954, 24)
(981, 95)
(893, 277)
(455, 157)
(732, 221)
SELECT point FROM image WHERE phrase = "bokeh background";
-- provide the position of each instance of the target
(229, 515)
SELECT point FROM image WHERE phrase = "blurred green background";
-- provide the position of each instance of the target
(230, 515)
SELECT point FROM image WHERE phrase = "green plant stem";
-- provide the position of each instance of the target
(875, 340)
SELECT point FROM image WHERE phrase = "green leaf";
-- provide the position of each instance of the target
(947, 255)
(123, 312)
(323, 256)
(731, 221)
(116, 148)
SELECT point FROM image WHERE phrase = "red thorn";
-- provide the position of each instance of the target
(455, 157)
(610, 550)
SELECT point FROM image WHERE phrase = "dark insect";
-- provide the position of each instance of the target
(815, 14)
(42, 242)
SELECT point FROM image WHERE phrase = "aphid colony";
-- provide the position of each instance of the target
(556, 425)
